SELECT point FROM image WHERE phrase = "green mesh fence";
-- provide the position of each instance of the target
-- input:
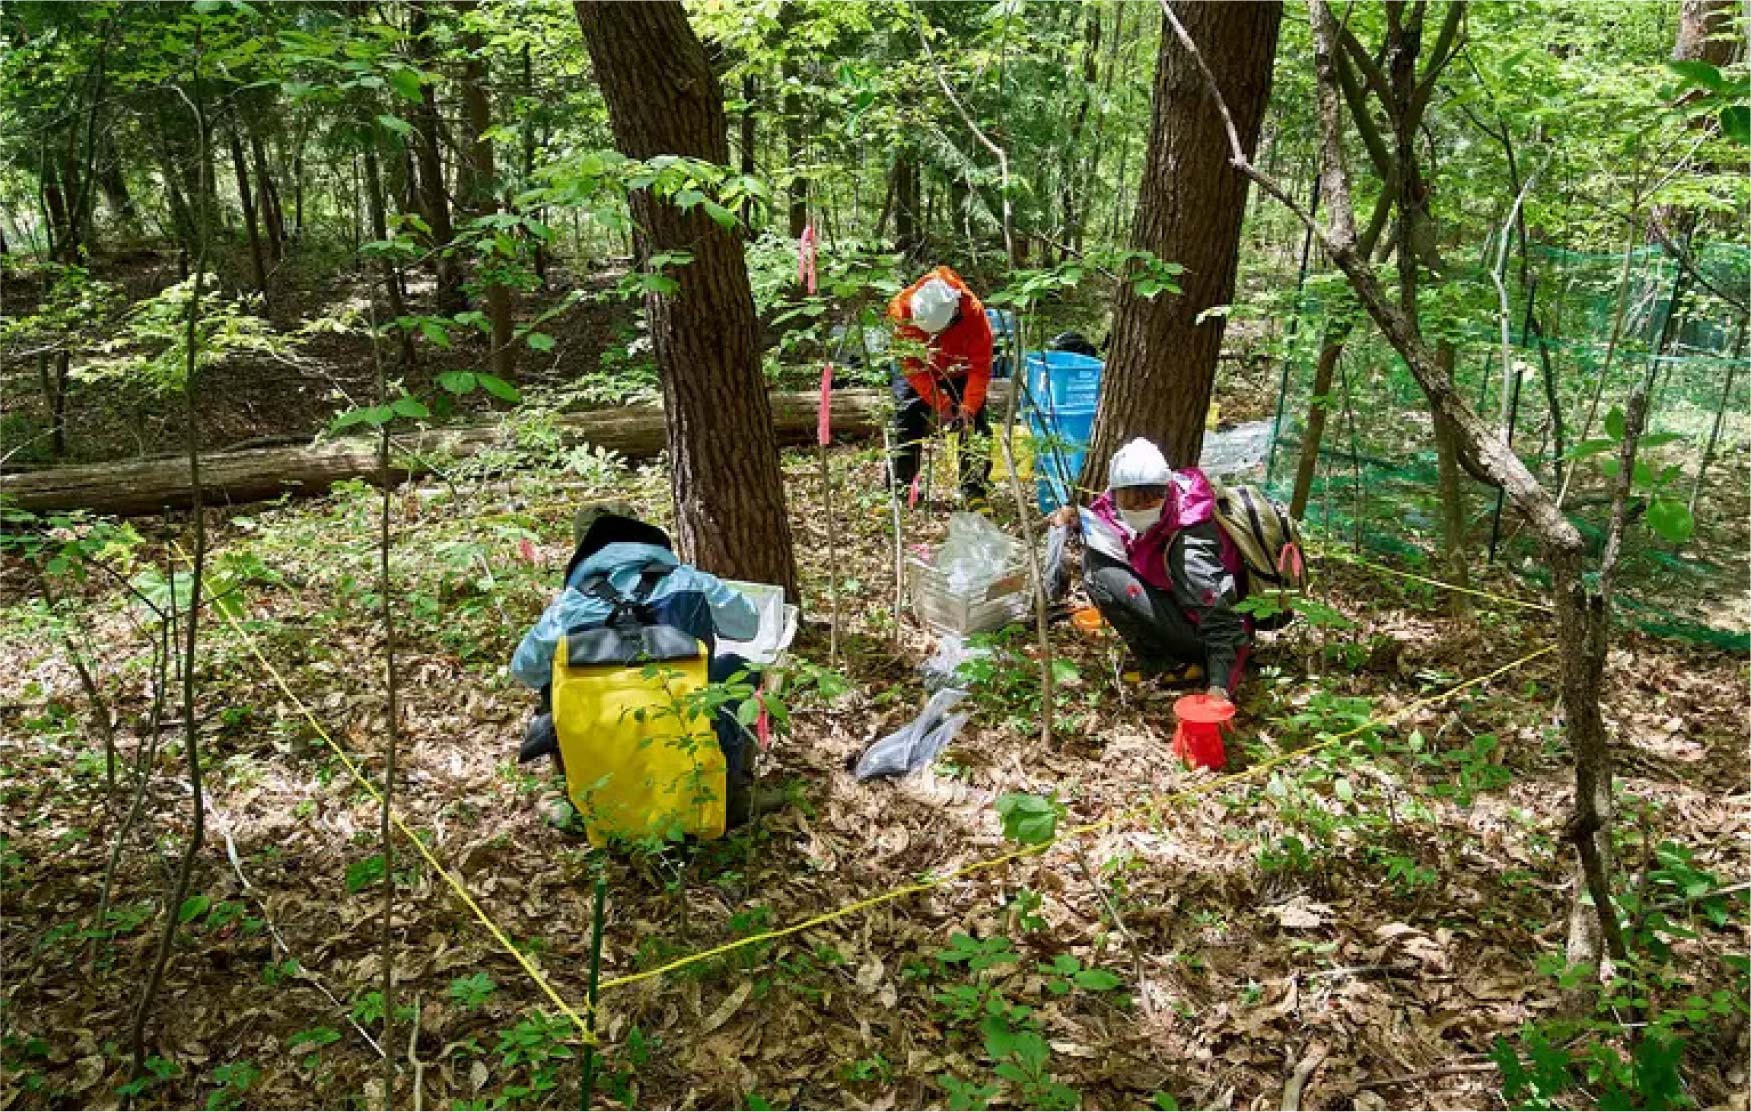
(1376, 480)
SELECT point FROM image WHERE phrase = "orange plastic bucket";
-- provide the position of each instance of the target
(1198, 737)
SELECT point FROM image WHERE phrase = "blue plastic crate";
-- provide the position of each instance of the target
(1060, 442)
(1061, 380)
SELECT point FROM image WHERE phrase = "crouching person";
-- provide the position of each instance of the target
(1163, 573)
(618, 660)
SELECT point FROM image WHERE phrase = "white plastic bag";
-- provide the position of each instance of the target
(975, 554)
(918, 742)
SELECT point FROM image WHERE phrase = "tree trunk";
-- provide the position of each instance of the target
(182, 217)
(1418, 251)
(115, 185)
(796, 190)
(374, 200)
(746, 140)
(63, 239)
(149, 486)
(1698, 21)
(1451, 487)
(529, 160)
(268, 199)
(1330, 351)
(1071, 170)
(484, 200)
(434, 200)
(1189, 209)
(729, 489)
(257, 264)
(907, 240)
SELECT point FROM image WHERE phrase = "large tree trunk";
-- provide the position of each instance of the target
(1189, 209)
(149, 486)
(729, 489)
(483, 198)
(434, 199)
(1698, 22)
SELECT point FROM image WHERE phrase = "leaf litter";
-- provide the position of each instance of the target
(1252, 962)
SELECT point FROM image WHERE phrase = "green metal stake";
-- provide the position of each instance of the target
(589, 1080)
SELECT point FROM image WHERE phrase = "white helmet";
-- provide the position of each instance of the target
(1138, 463)
(934, 305)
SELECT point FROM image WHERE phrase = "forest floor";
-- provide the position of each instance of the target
(1361, 925)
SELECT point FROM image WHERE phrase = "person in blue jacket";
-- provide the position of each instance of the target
(635, 559)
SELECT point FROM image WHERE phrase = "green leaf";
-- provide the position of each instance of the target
(434, 332)
(724, 218)
(363, 874)
(1614, 423)
(407, 83)
(457, 382)
(1701, 74)
(405, 406)
(395, 125)
(1591, 448)
(498, 387)
(193, 908)
(1097, 980)
(1671, 519)
(539, 341)
(1030, 820)
(1736, 123)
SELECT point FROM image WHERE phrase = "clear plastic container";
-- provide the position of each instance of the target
(1006, 599)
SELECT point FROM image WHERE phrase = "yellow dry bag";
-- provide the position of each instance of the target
(641, 758)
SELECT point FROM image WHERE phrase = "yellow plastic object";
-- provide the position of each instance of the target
(1022, 446)
(638, 762)
(1212, 417)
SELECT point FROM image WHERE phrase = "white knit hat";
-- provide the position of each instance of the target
(934, 305)
(1138, 463)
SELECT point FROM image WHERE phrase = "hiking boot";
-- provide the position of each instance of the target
(1136, 673)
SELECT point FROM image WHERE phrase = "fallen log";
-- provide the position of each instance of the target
(149, 486)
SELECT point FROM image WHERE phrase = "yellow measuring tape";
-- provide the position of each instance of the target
(407, 832)
(894, 894)
(1071, 832)
(1506, 600)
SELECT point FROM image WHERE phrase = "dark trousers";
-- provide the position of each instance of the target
(738, 748)
(1148, 618)
(915, 419)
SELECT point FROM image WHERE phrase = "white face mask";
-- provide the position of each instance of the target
(1140, 521)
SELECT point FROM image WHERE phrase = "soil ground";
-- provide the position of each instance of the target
(1378, 914)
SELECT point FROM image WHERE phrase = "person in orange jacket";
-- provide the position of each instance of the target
(940, 312)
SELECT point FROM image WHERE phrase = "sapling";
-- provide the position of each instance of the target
(1032, 820)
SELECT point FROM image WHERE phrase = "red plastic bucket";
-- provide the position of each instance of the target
(1198, 737)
